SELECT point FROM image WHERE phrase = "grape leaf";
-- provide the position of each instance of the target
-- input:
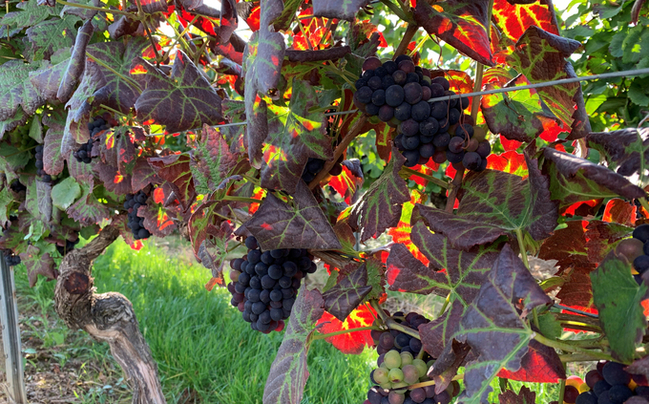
(620, 211)
(156, 219)
(347, 294)
(38, 264)
(151, 6)
(184, 101)
(65, 193)
(11, 123)
(16, 90)
(514, 17)
(49, 36)
(495, 203)
(453, 273)
(5, 200)
(297, 224)
(573, 179)
(47, 79)
(351, 343)
(541, 364)
(380, 207)
(518, 115)
(79, 106)
(211, 161)
(288, 373)
(87, 210)
(53, 161)
(524, 396)
(143, 175)
(31, 14)
(493, 324)
(617, 297)
(349, 181)
(76, 63)
(175, 170)
(566, 101)
(626, 150)
(460, 23)
(345, 10)
(295, 134)
(262, 64)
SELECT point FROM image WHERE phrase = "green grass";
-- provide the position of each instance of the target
(205, 352)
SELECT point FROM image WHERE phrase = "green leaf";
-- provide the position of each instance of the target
(11, 123)
(50, 36)
(32, 13)
(16, 90)
(617, 298)
(638, 92)
(38, 264)
(5, 200)
(36, 130)
(295, 134)
(288, 373)
(65, 193)
(87, 210)
(380, 207)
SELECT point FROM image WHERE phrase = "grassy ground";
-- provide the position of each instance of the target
(205, 352)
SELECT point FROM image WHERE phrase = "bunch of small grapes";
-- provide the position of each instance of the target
(10, 258)
(100, 123)
(265, 283)
(17, 186)
(393, 339)
(136, 223)
(39, 165)
(69, 246)
(314, 165)
(608, 384)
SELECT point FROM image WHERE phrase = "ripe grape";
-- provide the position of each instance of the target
(399, 77)
(412, 157)
(593, 377)
(429, 127)
(412, 93)
(418, 395)
(390, 66)
(472, 161)
(402, 112)
(412, 78)
(387, 81)
(364, 94)
(394, 95)
(372, 109)
(484, 149)
(614, 373)
(396, 398)
(464, 130)
(600, 387)
(386, 113)
(642, 233)
(427, 150)
(436, 90)
(410, 374)
(371, 63)
(441, 81)
(456, 145)
(641, 263)
(570, 394)
(410, 142)
(438, 110)
(619, 393)
(420, 111)
(409, 127)
(425, 93)
(407, 66)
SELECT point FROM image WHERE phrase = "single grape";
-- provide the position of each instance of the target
(409, 128)
(429, 127)
(371, 63)
(425, 93)
(372, 109)
(600, 387)
(412, 93)
(364, 95)
(412, 78)
(412, 158)
(410, 374)
(484, 148)
(441, 81)
(641, 263)
(396, 398)
(642, 233)
(402, 57)
(439, 109)
(427, 150)
(456, 145)
(614, 373)
(381, 375)
(386, 113)
(386, 341)
(479, 133)
(593, 377)
(401, 340)
(393, 359)
(402, 112)
(570, 394)
(406, 358)
(436, 90)
(472, 145)
(619, 393)
(418, 395)
(441, 140)
(407, 66)
(410, 142)
(420, 111)
(426, 139)
(472, 161)
(395, 375)
(399, 77)
(642, 391)
(251, 243)
(464, 130)
(421, 366)
(390, 66)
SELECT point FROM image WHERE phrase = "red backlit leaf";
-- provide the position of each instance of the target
(540, 364)
(349, 181)
(175, 170)
(513, 18)
(350, 343)
(508, 162)
(619, 211)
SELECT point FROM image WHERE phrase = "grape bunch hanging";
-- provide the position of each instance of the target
(135, 222)
(265, 283)
(44, 177)
(315, 165)
(10, 258)
(398, 92)
(608, 384)
(402, 362)
(100, 123)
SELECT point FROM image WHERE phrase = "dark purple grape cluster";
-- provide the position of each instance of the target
(314, 166)
(69, 246)
(609, 384)
(641, 262)
(39, 165)
(17, 186)
(83, 155)
(402, 342)
(265, 284)
(135, 222)
(100, 123)
(10, 258)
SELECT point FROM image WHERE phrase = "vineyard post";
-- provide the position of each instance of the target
(11, 335)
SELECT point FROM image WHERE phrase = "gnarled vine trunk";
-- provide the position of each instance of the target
(107, 317)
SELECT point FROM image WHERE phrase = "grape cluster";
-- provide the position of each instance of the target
(636, 250)
(69, 246)
(393, 339)
(10, 258)
(399, 93)
(265, 283)
(100, 123)
(136, 223)
(17, 186)
(39, 165)
(608, 384)
(83, 155)
(314, 166)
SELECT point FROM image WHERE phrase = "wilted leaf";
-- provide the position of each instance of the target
(380, 207)
(288, 373)
(351, 343)
(297, 224)
(38, 264)
(77, 62)
(573, 179)
(617, 297)
(460, 23)
(184, 101)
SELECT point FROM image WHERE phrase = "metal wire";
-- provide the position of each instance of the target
(624, 73)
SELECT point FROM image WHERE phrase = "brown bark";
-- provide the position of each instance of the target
(107, 317)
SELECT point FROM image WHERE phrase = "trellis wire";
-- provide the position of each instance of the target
(585, 313)
(635, 72)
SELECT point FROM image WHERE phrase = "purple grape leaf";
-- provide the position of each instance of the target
(80, 171)
(175, 170)
(11, 123)
(460, 23)
(451, 272)
(53, 161)
(284, 21)
(47, 37)
(603, 237)
(213, 253)
(44, 196)
(76, 125)
(47, 79)
(207, 220)
(156, 219)
(143, 175)
(573, 179)
(345, 10)
(524, 396)
(262, 65)
(125, 26)
(639, 367)
(300, 223)
(495, 203)
(347, 294)
(380, 207)
(87, 210)
(151, 6)
(211, 161)
(184, 101)
(117, 149)
(618, 299)
(541, 57)
(16, 90)
(38, 264)
(295, 134)
(288, 373)
(112, 179)
(518, 115)
(626, 150)
(30, 15)
(76, 63)
(118, 91)
(493, 325)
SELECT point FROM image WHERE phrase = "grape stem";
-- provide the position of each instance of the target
(87, 7)
(456, 184)
(398, 11)
(562, 388)
(344, 143)
(241, 199)
(341, 332)
(406, 330)
(379, 310)
(427, 177)
(444, 306)
(411, 30)
(564, 346)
